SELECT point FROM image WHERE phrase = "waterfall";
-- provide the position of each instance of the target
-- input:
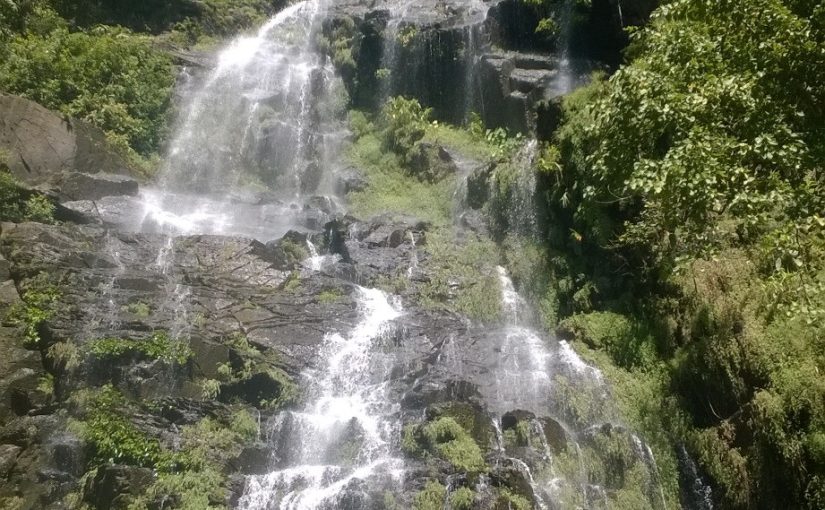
(418, 39)
(345, 431)
(259, 134)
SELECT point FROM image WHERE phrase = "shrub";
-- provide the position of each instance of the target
(405, 123)
(431, 497)
(108, 76)
(39, 301)
(158, 346)
(18, 204)
(114, 438)
(462, 499)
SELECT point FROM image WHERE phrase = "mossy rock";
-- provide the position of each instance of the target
(471, 418)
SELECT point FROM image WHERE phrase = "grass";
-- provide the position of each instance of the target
(392, 191)
(463, 275)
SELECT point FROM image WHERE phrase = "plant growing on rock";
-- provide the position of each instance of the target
(39, 301)
(159, 346)
(114, 438)
(405, 123)
(447, 439)
(431, 497)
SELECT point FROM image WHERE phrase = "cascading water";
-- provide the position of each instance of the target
(258, 136)
(417, 45)
(346, 430)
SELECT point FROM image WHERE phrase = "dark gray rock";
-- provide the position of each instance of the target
(42, 143)
(82, 186)
(431, 162)
(116, 486)
(8, 458)
(349, 180)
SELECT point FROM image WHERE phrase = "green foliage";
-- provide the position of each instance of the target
(513, 501)
(447, 439)
(158, 346)
(64, 356)
(39, 301)
(114, 438)
(462, 499)
(463, 276)
(108, 76)
(329, 296)
(431, 497)
(627, 341)
(699, 129)
(405, 123)
(18, 204)
(139, 309)
(685, 204)
(391, 189)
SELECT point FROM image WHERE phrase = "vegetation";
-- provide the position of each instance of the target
(463, 276)
(462, 499)
(447, 439)
(102, 61)
(18, 204)
(115, 439)
(684, 210)
(39, 301)
(158, 346)
(431, 497)
(192, 474)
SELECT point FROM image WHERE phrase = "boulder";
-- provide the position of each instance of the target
(115, 486)
(83, 186)
(8, 458)
(431, 162)
(41, 143)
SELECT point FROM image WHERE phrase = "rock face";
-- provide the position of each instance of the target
(462, 57)
(41, 143)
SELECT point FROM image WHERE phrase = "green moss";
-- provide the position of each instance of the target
(463, 275)
(629, 342)
(194, 490)
(513, 501)
(454, 444)
(158, 346)
(138, 309)
(391, 190)
(293, 282)
(330, 296)
(462, 499)
(431, 497)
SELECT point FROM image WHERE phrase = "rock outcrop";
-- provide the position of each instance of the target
(41, 144)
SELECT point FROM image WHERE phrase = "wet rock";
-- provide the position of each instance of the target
(115, 487)
(555, 434)
(256, 389)
(8, 458)
(514, 475)
(350, 180)
(82, 186)
(254, 460)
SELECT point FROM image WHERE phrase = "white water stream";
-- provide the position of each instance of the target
(345, 430)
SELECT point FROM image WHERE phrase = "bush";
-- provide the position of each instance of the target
(158, 346)
(109, 77)
(405, 123)
(18, 204)
(114, 438)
